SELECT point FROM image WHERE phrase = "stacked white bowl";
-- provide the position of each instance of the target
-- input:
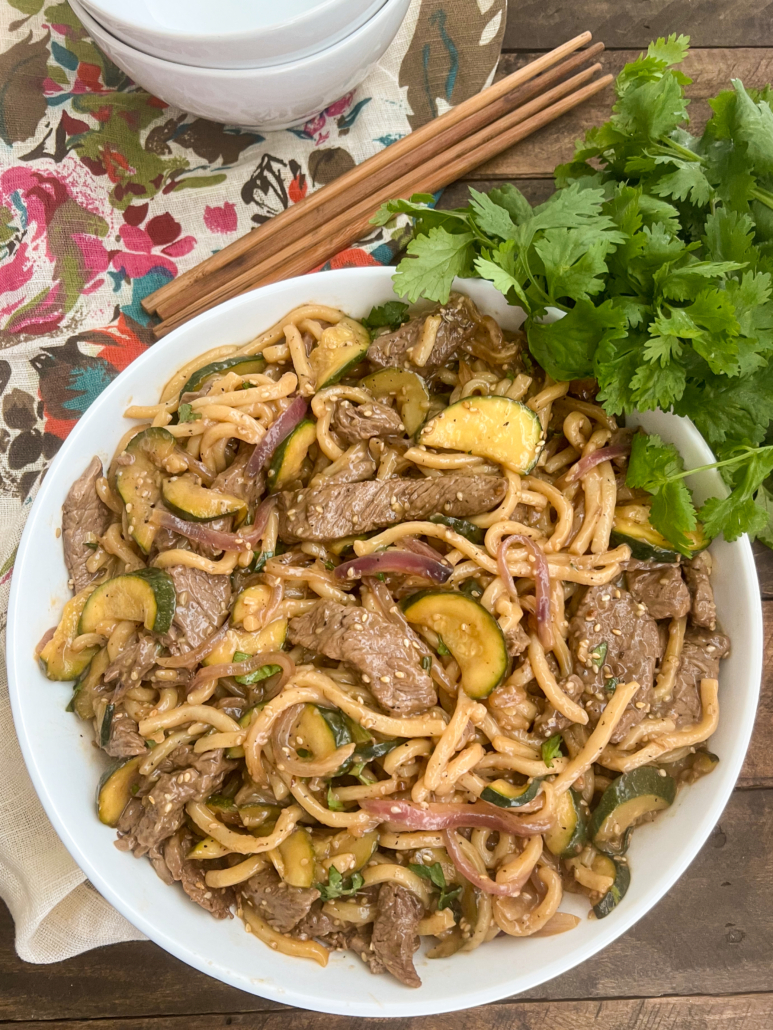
(259, 64)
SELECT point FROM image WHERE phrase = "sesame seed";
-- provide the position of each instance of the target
(617, 632)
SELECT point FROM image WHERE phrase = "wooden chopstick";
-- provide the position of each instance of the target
(328, 206)
(389, 156)
(351, 224)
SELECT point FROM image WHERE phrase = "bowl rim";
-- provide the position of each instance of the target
(320, 9)
(329, 1002)
(194, 71)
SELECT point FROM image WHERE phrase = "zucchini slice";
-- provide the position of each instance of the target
(409, 390)
(361, 848)
(250, 601)
(498, 428)
(567, 838)
(468, 530)
(506, 795)
(297, 854)
(627, 799)
(341, 348)
(85, 692)
(470, 633)
(237, 751)
(271, 638)
(147, 596)
(208, 848)
(616, 892)
(59, 662)
(646, 543)
(242, 366)
(139, 482)
(289, 456)
(183, 496)
(322, 730)
(116, 789)
(255, 816)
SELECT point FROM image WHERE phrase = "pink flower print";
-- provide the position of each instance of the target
(221, 219)
(151, 247)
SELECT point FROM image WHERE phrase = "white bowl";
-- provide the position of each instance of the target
(258, 98)
(231, 33)
(65, 767)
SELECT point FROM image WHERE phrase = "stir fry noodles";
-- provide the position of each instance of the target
(383, 643)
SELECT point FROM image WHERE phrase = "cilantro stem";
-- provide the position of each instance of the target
(688, 155)
(721, 464)
(762, 196)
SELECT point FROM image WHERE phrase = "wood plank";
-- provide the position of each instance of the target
(711, 71)
(738, 1012)
(533, 25)
(711, 935)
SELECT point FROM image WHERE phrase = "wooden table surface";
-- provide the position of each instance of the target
(703, 958)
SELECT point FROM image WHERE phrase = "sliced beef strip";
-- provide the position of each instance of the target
(84, 518)
(333, 511)
(125, 741)
(516, 639)
(132, 665)
(233, 480)
(460, 320)
(610, 615)
(377, 648)
(355, 422)
(701, 654)
(217, 900)
(703, 611)
(360, 467)
(395, 932)
(191, 777)
(662, 590)
(202, 602)
(281, 905)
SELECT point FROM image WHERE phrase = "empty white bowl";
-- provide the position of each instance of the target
(231, 33)
(274, 97)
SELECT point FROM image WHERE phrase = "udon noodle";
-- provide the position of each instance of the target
(385, 646)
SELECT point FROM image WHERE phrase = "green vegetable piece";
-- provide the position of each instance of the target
(337, 887)
(185, 413)
(551, 749)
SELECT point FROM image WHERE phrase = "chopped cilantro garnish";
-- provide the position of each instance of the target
(599, 654)
(442, 650)
(551, 749)
(185, 413)
(426, 663)
(337, 887)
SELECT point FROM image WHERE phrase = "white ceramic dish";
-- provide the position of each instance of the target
(231, 33)
(65, 767)
(258, 98)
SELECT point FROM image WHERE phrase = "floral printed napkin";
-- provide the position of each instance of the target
(106, 193)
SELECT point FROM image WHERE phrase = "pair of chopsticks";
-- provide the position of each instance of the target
(309, 233)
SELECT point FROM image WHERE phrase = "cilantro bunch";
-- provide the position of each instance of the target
(658, 249)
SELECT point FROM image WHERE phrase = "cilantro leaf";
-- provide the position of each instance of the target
(764, 499)
(492, 218)
(551, 749)
(391, 314)
(337, 887)
(442, 650)
(434, 873)
(185, 413)
(566, 348)
(432, 263)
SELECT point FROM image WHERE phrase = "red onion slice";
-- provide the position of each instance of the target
(215, 672)
(243, 540)
(477, 879)
(275, 434)
(403, 815)
(44, 640)
(541, 582)
(590, 461)
(188, 659)
(407, 563)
